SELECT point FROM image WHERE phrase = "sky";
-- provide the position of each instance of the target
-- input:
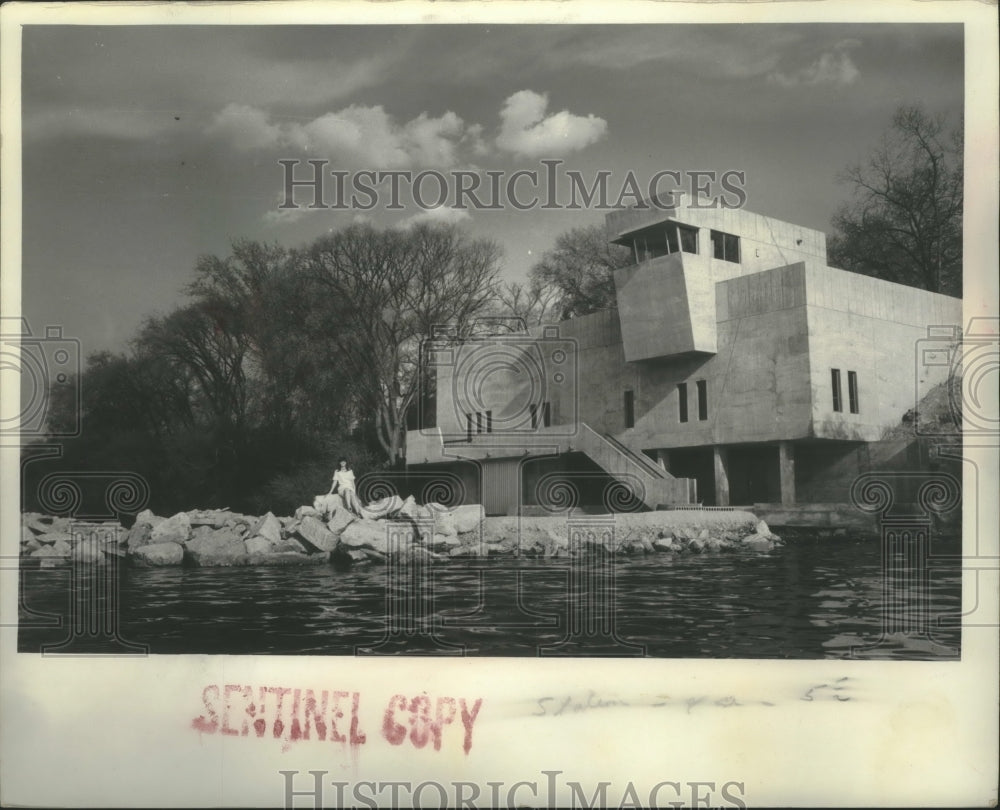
(145, 147)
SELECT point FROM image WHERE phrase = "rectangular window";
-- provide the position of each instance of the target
(852, 391)
(468, 427)
(546, 414)
(702, 400)
(681, 238)
(838, 404)
(682, 401)
(689, 239)
(725, 246)
(479, 421)
(629, 409)
(534, 415)
(489, 421)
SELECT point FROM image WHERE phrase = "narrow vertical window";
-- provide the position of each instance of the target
(629, 409)
(479, 421)
(852, 391)
(468, 427)
(838, 404)
(702, 400)
(534, 415)
(547, 414)
(489, 421)
(682, 401)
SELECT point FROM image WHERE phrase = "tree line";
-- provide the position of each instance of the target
(279, 362)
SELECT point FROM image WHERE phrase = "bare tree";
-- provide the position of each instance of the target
(904, 221)
(385, 293)
(579, 271)
(525, 305)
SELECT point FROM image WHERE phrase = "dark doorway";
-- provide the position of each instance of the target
(754, 476)
(696, 463)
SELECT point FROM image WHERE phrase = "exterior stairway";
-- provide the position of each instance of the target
(648, 482)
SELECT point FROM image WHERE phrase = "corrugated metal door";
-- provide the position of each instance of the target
(501, 486)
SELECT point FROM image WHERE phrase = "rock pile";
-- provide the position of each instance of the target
(392, 527)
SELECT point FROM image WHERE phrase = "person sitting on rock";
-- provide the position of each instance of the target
(343, 479)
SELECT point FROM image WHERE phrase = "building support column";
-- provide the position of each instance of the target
(786, 470)
(721, 463)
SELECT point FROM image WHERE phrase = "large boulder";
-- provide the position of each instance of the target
(268, 528)
(139, 535)
(212, 541)
(221, 547)
(48, 557)
(39, 524)
(62, 547)
(409, 510)
(258, 545)
(306, 511)
(316, 535)
(49, 551)
(444, 521)
(29, 544)
(213, 518)
(382, 509)
(468, 518)
(157, 554)
(375, 534)
(175, 529)
(51, 538)
(213, 548)
(756, 542)
(147, 516)
(340, 520)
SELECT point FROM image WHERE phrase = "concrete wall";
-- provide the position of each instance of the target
(758, 382)
(667, 307)
(872, 327)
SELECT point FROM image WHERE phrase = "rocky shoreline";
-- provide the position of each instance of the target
(326, 533)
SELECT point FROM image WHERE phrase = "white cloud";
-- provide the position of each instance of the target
(357, 135)
(833, 67)
(442, 215)
(246, 127)
(526, 130)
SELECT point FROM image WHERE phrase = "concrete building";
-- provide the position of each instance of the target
(737, 368)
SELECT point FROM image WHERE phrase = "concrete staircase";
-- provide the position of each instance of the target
(648, 482)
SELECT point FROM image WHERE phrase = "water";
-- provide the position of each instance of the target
(808, 600)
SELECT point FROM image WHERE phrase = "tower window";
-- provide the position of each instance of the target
(702, 400)
(852, 391)
(838, 402)
(725, 246)
(682, 401)
(629, 409)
